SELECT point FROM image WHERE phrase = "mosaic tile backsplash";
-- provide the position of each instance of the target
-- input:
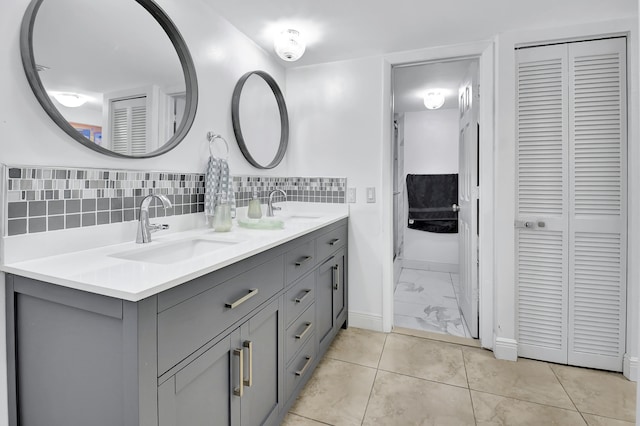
(41, 199)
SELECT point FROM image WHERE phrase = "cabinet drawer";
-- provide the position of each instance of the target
(299, 297)
(330, 242)
(299, 260)
(298, 333)
(300, 367)
(187, 326)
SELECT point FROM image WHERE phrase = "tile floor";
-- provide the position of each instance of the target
(369, 378)
(428, 300)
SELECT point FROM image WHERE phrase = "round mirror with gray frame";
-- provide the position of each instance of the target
(115, 75)
(260, 119)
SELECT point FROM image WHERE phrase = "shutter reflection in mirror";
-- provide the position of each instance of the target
(129, 126)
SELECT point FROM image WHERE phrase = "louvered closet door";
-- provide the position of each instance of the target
(541, 163)
(571, 203)
(129, 126)
(597, 279)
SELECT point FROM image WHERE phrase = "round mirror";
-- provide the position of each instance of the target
(115, 75)
(260, 120)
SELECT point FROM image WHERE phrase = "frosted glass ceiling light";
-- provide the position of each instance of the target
(289, 46)
(433, 100)
(71, 100)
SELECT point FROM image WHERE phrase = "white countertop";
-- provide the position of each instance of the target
(96, 270)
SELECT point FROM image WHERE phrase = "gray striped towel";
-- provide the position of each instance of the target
(218, 181)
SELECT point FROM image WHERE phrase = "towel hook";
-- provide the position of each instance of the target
(211, 137)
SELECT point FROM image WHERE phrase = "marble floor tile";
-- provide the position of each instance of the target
(599, 392)
(295, 420)
(337, 393)
(423, 293)
(358, 346)
(402, 400)
(593, 420)
(527, 380)
(492, 409)
(424, 359)
(453, 328)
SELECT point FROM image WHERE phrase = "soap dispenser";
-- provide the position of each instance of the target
(222, 214)
(255, 211)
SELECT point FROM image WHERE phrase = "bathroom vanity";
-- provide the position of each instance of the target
(231, 346)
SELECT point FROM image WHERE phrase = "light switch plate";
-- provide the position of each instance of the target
(371, 195)
(351, 195)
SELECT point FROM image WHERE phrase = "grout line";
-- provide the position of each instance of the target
(310, 418)
(466, 375)
(384, 345)
(565, 391)
(423, 379)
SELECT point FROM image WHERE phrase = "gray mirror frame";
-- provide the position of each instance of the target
(188, 68)
(284, 119)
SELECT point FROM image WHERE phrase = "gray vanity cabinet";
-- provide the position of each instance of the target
(232, 347)
(235, 382)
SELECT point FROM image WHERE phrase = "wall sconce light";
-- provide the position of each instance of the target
(433, 99)
(70, 100)
(289, 46)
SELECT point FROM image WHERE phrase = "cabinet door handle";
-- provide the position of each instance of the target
(243, 299)
(239, 391)
(334, 241)
(303, 260)
(249, 345)
(306, 365)
(336, 276)
(304, 296)
(305, 331)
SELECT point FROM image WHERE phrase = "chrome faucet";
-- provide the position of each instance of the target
(270, 207)
(144, 227)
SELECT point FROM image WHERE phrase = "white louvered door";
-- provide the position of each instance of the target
(129, 126)
(571, 203)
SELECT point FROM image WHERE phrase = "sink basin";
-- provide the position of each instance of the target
(173, 252)
(301, 218)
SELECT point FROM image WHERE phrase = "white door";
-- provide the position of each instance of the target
(468, 199)
(571, 203)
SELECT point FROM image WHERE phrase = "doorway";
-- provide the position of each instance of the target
(435, 173)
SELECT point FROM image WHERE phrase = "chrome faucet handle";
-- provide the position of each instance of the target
(153, 227)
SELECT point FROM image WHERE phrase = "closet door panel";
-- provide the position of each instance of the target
(541, 167)
(597, 128)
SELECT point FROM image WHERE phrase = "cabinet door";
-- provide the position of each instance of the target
(339, 285)
(263, 345)
(324, 300)
(202, 393)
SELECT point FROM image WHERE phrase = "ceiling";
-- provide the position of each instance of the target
(411, 82)
(342, 29)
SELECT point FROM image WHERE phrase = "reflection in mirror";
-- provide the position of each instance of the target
(260, 120)
(122, 65)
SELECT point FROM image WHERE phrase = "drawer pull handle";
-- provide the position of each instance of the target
(306, 365)
(306, 330)
(240, 389)
(304, 296)
(334, 241)
(336, 277)
(304, 260)
(243, 299)
(249, 345)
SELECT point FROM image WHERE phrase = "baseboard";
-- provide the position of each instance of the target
(366, 321)
(504, 348)
(630, 367)
(425, 265)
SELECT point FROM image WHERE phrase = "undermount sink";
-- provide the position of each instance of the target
(301, 218)
(262, 223)
(173, 252)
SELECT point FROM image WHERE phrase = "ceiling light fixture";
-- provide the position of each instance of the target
(433, 99)
(289, 46)
(70, 100)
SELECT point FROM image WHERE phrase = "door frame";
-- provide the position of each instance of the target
(484, 51)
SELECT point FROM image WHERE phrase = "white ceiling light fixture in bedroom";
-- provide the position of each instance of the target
(433, 99)
(289, 45)
(70, 100)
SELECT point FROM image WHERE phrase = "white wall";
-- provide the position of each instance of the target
(430, 147)
(335, 112)
(28, 136)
